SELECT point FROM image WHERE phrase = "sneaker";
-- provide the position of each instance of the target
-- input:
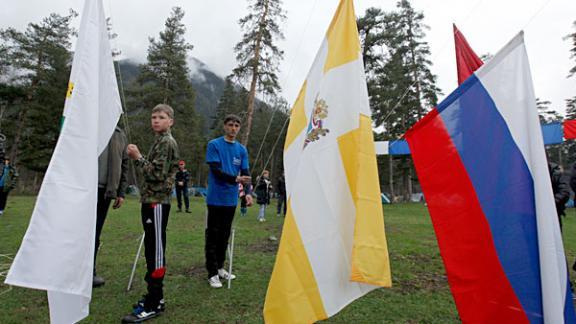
(277, 215)
(225, 275)
(98, 281)
(161, 305)
(139, 315)
(179, 210)
(188, 211)
(214, 282)
(261, 220)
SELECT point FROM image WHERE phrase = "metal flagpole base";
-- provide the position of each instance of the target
(135, 263)
(231, 257)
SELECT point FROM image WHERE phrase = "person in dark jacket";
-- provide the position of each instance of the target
(112, 183)
(8, 178)
(560, 189)
(262, 190)
(182, 179)
(281, 190)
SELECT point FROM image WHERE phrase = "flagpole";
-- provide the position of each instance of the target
(135, 263)
(231, 256)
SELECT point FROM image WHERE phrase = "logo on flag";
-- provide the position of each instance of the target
(70, 89)
(315, 127)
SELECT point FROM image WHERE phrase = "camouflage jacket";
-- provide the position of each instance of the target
(159, 168)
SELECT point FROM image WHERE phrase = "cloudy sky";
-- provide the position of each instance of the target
(213, 30)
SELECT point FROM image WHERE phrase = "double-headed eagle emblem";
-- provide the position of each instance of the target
(315, 126)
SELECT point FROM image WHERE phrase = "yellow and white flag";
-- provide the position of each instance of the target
(333, 247)
(57, 252)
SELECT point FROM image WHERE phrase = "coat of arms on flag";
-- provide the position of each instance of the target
(316, 124)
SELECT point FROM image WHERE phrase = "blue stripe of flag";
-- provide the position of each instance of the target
(503, 184)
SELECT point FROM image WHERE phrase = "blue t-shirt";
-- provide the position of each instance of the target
(232, 157)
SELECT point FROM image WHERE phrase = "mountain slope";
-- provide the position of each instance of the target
(207, 85)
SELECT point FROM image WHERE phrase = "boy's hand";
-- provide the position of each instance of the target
(118, 202)
(133, 152)
(249, 200)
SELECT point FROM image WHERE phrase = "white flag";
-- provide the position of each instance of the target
(57, 252)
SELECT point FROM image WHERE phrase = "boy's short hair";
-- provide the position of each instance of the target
(232, 117)
(164, 108)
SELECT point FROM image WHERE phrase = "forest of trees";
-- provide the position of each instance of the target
(35, 65)
(402, 88)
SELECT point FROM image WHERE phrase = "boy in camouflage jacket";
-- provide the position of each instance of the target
(158, 168)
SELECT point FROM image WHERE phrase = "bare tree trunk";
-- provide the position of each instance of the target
(252, 93)
(17, 137)
(391, 176)
(410, 189)
(35, 185)
(405, 179)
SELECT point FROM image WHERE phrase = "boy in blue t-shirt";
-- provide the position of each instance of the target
(228, 161)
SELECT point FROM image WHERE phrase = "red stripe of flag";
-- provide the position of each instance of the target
(479, 285)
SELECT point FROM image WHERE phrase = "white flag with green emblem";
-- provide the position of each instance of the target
(333, 247)
(57, 252)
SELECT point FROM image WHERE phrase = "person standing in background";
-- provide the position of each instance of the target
(8, 179)
(182, 180)
(281, 190)
(112, 183)
(263, 187)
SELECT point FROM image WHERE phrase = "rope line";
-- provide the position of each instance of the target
(124, 116)
(276, 143)
(443, 47)
(291, 66)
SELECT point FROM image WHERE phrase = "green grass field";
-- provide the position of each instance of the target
(420, 292)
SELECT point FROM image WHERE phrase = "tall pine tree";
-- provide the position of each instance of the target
(257, 55)
(571, 102)
(164, 78)
(40, 60)
(570, 146)
(401, 85)
(232, 101)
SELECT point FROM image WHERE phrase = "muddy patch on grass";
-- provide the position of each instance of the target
(421, 273)
(270, 245)
(416, 259)
(194, 271)
(426, 281)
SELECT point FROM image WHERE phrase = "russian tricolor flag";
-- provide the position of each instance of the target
(481, 162)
